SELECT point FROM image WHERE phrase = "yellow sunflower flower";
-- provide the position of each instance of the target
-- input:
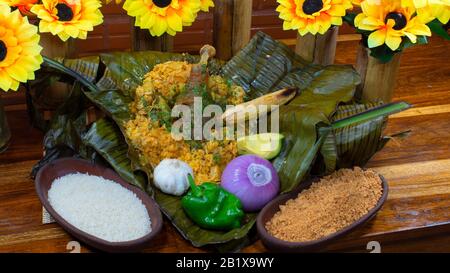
(23, 5)
(428, 10)
(68, 18)
(163, 16)
(206, 4)
(389, 22)
(19, 49)
(116, 1)
(312, 16)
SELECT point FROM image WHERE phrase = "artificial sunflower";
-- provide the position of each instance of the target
(68, 18)
(19, 49)
(429, 10)
(163, 16)
(312, 16)
(116, 1)
(23, 5)
(206, 4)
(389, 22)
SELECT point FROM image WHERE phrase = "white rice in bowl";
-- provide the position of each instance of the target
(100, 207)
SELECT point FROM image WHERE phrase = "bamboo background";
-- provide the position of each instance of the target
(115, 35)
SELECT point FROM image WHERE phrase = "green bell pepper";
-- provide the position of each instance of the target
(212, 207)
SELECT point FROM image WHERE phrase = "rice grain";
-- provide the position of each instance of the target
(100, 207)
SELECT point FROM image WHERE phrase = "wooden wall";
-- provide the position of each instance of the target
(114, 34)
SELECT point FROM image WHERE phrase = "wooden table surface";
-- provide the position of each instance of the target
(415, 218)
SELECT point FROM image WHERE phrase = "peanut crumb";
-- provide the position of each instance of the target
(328, 206)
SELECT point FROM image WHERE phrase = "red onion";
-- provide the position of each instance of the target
(252, 179)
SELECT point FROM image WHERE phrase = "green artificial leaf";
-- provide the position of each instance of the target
(406, 43)
(438, 28)
(349, 18)
(383, 53)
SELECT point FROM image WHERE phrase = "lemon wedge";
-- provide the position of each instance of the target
(267, 145)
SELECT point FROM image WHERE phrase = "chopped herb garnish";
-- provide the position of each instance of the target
(195, 144)
(229, 84)
(217, 158)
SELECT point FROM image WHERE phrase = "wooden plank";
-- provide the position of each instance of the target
(415, 179)
(425, 142)
(422, 111)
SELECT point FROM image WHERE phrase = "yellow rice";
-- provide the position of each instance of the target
(155, 143)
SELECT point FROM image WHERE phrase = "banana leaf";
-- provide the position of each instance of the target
(355, 144)
(263, 66)
(64, 135)
(41, 94)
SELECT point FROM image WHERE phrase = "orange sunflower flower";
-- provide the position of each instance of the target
(23, 5)
(19, 49)
(389, 22)
(68, 18)
(312, 16)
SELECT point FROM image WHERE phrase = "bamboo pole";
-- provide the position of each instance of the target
(242, 24)
(5, 132)
(377, 78)
(318, 49)
(142, 40)
(232, 26)
(51, 97)
(53, 46)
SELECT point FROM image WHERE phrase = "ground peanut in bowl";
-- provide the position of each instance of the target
(329, 205)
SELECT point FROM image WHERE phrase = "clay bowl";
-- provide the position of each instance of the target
(275, 244)
(61, 167)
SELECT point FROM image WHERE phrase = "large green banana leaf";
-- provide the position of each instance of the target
(41, 98)
(263, 66)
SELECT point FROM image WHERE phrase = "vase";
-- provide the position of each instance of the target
(232, 24)
(5, 133)
(42, 102)
(319, 48)
(377, 78)
(141, 40)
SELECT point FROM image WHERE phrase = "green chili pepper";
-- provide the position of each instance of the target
(212, 207)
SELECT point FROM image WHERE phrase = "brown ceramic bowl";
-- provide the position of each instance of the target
(61, 167)
(275, 244)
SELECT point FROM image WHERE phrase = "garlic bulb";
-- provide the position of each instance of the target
(170, 176)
